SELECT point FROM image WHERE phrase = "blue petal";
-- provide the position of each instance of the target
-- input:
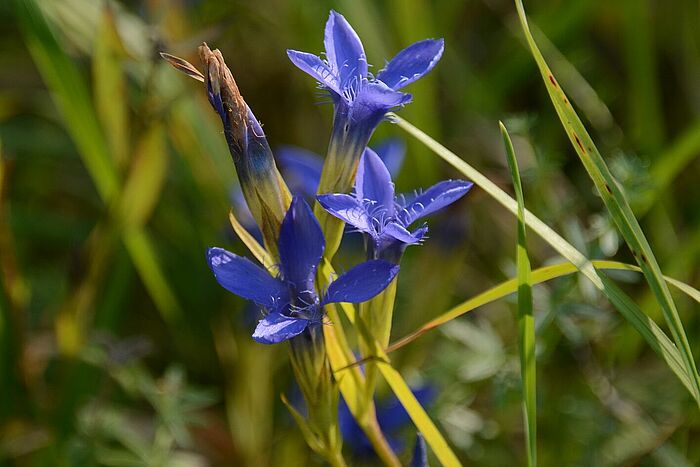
(399, 233)
(362, 282)
(245, 279)
(373, 183)
(433, 199)
(420, 452)
(373, 100)
(301, 169)
(344, 50)
(392, 152)
(276, 327)
(301, 245)
(348, 209)
(314, 66)
(412, 63)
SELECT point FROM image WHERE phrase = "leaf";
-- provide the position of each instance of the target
(617, 205)
(654, 336)
(146, 178)
(420, 418)
(526, 321)
(250, 242)
(310, 438)
(111, 100)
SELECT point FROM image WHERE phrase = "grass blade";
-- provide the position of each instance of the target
(111, 100)
(654, 336)
(548, 273)
(142, 189)
(526, 320)
(615, 202)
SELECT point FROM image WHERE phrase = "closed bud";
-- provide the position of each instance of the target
(264, 189)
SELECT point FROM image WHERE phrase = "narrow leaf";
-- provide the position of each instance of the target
(146, 177)
(526, 321)
(109, 82)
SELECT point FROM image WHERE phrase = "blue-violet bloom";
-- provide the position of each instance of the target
(290, 301)
(360, 99)
(374, 210)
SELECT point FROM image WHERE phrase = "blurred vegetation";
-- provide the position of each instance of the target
(119, 348)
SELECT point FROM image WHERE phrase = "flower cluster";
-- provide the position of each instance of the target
(360, 100)
(352, 186)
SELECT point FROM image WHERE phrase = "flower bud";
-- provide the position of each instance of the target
(264, 189)
(265, 192)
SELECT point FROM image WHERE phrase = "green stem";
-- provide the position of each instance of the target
(377, 314)
(380, 444)
(335, 458)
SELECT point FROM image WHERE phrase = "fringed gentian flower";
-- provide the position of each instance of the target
(290, 301)
(385, 220)
(391, 416)
(360, 99)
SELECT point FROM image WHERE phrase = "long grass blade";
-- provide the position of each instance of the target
(526, 320)
(111, 100)
(146, 178)
(547, 273)
(616, 203)
(651, 332)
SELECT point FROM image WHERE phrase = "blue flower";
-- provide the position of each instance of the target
(374, 210)
(361, 98)
(391, 416)
(290, 301)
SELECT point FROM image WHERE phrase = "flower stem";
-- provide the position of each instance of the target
(335, 458)
(380, 444)
(377, 315)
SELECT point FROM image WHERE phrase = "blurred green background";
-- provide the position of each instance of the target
(119, 348)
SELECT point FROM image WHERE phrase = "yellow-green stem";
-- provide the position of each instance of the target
(377, 314)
